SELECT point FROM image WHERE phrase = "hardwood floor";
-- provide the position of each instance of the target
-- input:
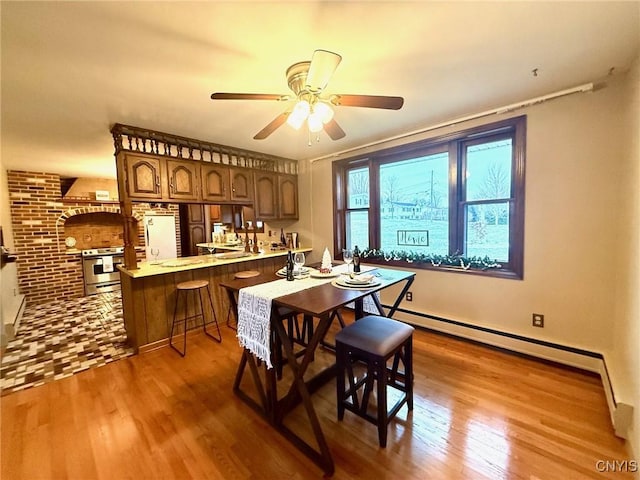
(478, 413)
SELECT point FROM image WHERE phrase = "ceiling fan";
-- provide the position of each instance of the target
(308, 80)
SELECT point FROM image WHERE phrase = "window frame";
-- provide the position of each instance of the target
(455, 144)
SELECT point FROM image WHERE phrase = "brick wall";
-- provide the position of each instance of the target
(45, 271)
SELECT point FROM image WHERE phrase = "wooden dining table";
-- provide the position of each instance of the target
(321, 302)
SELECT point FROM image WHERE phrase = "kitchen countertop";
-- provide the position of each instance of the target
(162, 267)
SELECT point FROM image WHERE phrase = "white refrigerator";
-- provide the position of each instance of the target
(160, 234)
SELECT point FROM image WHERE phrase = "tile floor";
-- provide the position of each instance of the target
(59, 339)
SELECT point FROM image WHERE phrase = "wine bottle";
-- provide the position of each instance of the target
(289, 266)
(356, 260)
(283, 240)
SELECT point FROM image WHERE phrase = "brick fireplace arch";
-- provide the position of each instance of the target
(85, 210)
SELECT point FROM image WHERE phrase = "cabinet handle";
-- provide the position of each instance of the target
(158, 182)
(171, 186)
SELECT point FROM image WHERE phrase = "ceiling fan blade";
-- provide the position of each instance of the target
(371, 101)
(323, 64)
(272, 126)
(248, 96)
(334, 130)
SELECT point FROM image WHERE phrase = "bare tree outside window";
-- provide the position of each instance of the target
(390, 191)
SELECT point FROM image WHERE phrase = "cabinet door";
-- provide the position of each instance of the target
(183, 177)
(266, 198)
(215, 183)
(215, 213)
(192, 228)
(241, 185)
(197, 235)
(143, 177)
(288, 196)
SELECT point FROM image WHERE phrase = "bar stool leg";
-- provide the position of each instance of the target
(173, 324)
(408, 372)
(215, 319)
(340, 361)
(231, 314)
(381, 373)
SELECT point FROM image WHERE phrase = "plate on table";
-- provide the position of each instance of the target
(304, 273)
(318, 274)
(283, 271)
(343, 282)
(358, 280)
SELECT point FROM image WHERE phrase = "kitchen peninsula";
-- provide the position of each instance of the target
(149, 292)
(161, 168)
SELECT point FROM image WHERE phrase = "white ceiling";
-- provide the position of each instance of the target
(71, 70)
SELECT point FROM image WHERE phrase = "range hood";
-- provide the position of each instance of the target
(84, 188)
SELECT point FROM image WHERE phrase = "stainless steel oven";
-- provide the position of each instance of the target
(99, 266)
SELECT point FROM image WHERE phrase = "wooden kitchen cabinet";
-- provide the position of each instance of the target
(192, 228)
(221, 213)
(221, 183)
(266, 195)
(183, 179)
(241, 185)
(143, 177)
(287, 197)
(216, 181)
(276, 196)
(215, 213)
(153, 178)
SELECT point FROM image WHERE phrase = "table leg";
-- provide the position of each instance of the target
(299, 391)
(267, 392)
(396, 304)
(265, 405)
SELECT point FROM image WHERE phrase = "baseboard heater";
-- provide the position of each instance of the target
(620, 413)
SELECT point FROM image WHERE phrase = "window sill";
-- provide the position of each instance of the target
(491, 272)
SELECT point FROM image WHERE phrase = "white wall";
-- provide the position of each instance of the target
(623, 358)
(579, 173)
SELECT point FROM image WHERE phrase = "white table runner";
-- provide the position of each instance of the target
(254, 310)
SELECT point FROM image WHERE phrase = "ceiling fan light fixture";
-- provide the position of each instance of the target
(315, 122)
(299, 114)
(324, 111)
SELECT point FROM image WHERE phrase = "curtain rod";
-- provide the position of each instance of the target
(587, 87)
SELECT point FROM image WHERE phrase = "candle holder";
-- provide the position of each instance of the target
(255, 242)
(247, 247)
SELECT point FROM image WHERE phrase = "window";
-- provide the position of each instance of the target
(357, 215)
(414, 204)
(459, 197)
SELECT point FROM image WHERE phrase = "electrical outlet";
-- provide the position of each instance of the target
(537, 320)
(409, 296)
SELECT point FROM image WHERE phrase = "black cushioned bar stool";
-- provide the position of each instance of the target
(373, 340)
(182, 290)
